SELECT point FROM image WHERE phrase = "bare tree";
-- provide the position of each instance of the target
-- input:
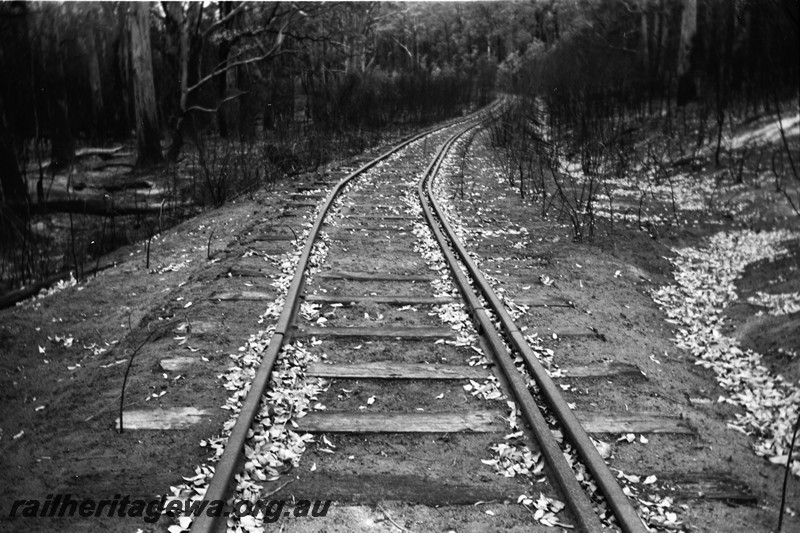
(12, 186)
(144, 94)
(686, 87)
(259, 39)
(63, 142)
(90, 50)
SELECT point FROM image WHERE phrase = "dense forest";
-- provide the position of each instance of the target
(644, 92)
(90, 72)
(202, 101)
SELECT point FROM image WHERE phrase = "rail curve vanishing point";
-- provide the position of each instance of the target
(500, 344)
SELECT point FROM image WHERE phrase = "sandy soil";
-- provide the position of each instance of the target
(63, 359)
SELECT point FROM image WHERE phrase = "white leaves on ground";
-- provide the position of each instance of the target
(705, 286)
(53, 289)
(543, 514)
(655, 510)
(545, 355)
(309, 311)
(172, 267)
(631, 478)
(628, 437)
(605, 449)
(272, 447)
(777, 304)
(545, 509)
(511, 460)
(184, 522)
(508, 459)
(65, 341)
(488, 390)
(154, 395)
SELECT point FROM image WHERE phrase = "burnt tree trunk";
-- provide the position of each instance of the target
(687, 89)
(144, 94)
(15, 55)
(95, 83)
(13, 191)
(182, 19)
(62, 141)
(222, 81)
(121, 119)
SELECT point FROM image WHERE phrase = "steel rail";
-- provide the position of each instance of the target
(578, 501)
(230, 460)
(621, 506)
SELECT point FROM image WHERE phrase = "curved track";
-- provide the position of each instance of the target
(404, 379)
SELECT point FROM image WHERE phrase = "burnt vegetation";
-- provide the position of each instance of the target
(654, 94)
(119, 119)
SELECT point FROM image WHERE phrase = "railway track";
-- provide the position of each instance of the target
(654, 439)
(416, 393)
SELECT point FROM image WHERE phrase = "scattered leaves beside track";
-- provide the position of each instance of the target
(704, 288)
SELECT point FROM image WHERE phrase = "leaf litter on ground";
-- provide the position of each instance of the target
(705, 286)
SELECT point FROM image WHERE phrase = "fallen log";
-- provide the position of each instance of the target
(102, 207)
(11, 299)
(82, 152)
